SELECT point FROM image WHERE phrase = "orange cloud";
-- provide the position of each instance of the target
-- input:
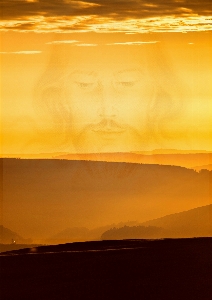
(106, 16)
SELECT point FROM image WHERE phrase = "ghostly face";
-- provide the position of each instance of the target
(109, 107)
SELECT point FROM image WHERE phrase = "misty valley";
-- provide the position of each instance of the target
(104, 230)
(49, 201)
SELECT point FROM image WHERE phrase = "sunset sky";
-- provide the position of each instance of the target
(60, 59)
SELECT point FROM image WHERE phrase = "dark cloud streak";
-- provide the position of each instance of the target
(117, 10)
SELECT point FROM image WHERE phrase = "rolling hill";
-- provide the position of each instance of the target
(188, 159)
(192, 223)
(195, 159)
(41, 197)
(196, 222)
(8, 236)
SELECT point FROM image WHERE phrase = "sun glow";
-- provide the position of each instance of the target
(44, 109)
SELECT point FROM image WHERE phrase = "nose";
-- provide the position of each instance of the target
(108, 107)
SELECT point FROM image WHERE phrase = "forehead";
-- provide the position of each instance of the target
(101, 69)
(102, 57)
(132, 75)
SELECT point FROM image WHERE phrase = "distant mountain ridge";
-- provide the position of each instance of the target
(205, 167)
(196, 222)
(134, 232)
(48, 195)
(185, 158)
(83, 234)
(8, 236)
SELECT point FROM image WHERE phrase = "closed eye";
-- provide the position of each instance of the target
(84, 85)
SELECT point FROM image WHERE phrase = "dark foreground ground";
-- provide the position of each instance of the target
(128, 269)
(11, 247)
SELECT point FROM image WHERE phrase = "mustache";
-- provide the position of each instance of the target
(108, 125)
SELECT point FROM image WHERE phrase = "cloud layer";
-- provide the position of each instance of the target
(106, 15)
(21, 52)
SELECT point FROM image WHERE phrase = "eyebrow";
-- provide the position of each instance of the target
(95, 73)
(127, 70)
(84, 72)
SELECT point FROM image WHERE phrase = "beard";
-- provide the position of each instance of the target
(108, 135)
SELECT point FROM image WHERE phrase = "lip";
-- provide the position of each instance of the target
(109, 135)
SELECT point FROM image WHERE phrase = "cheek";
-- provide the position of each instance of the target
(82, 114)
(134, 108)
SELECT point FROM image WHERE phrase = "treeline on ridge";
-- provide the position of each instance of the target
(133, 232)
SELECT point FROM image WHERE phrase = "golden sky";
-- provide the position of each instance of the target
(105, 76)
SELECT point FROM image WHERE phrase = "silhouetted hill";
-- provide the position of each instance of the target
(7, 236)
(187, 159)
(205, 167)
(193, 223)
(42, 197)
(133, 232)
(77, 234)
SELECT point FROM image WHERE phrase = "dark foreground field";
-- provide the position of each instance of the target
(128, 269)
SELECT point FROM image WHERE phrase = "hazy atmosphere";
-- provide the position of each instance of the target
(123, 84)
(106, 149)
(105, 76)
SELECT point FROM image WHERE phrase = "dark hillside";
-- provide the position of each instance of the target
(193, 223)
(42, 197)
(8, 236)
(196, 222)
